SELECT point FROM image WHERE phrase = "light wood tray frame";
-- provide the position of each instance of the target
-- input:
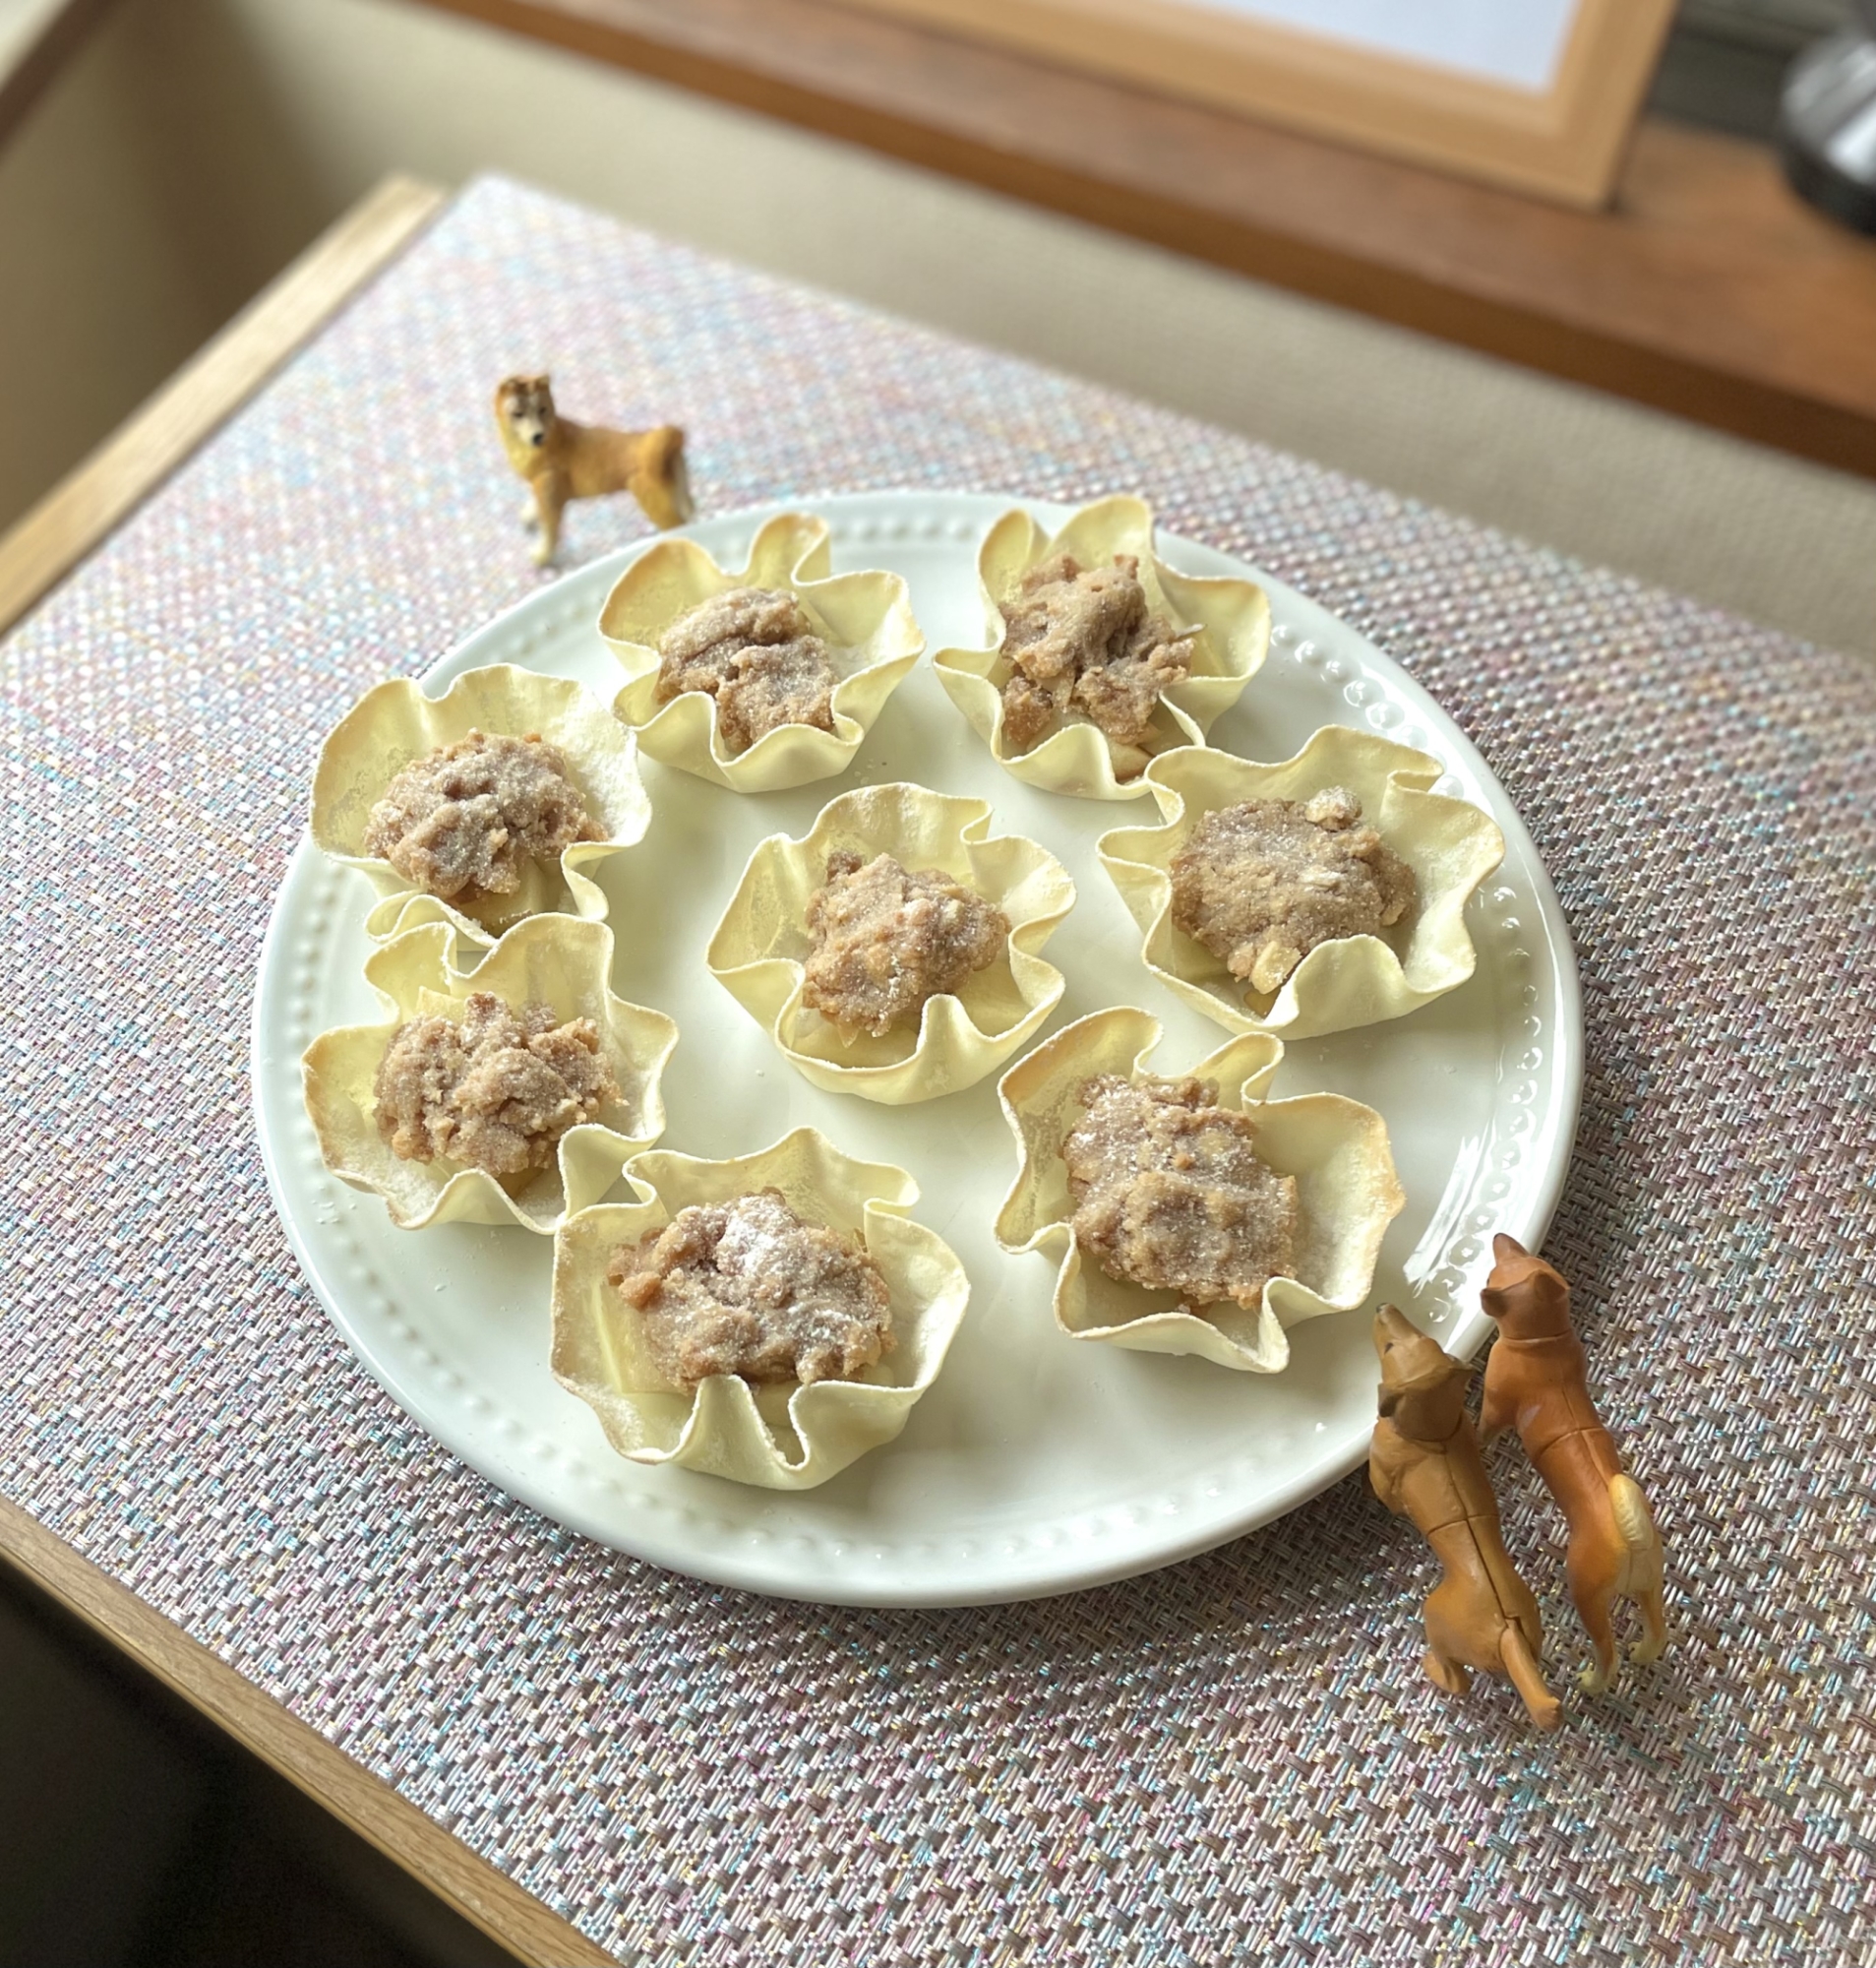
(1563, 143)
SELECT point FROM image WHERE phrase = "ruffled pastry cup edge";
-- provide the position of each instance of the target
(604, 758)
(953, 1050)
(1351, 981)
(1327, 1141)
(1080, 759)
(793, 552)
(411, 974)
(725, 1428)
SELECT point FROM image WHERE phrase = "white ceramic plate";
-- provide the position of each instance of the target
(1036, 1464)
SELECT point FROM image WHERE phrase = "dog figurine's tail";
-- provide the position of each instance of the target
(1527, 1677)
(1633, 1518)
(658, 477)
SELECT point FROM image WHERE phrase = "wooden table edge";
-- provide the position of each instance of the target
(482, 1894)
(51, 540)
(98, 495)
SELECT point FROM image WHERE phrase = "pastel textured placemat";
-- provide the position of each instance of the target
(1231, 1760)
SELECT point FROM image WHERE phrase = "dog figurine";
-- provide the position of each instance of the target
(1425, 1464)
(560, 460)
(1535, 1382)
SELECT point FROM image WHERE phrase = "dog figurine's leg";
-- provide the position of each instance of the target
(550, 501)
(1450, 1617)
(1653, 1640)
(1595, 1573)
(1527, 1677)
(1458, 1635)
(1446, 1674)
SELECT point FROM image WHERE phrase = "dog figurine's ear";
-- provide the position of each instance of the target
(1515, 1270)
(1512, 1266)
(516, 395)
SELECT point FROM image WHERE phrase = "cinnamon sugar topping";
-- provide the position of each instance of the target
(1170, 1193)
(754, 650)
(747, 1287)
(887, 938)
(464, 821)
(1082, 639)
(1262, 883)
(495, 1091)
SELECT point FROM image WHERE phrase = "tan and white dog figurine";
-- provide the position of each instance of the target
(560, 460)
(1425, 1464)
(1536, 1381)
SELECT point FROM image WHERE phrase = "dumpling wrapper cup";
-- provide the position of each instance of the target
(759, 947)
(865, 619)
(396, 724)
(1357, 980)
(783, 1437)
(1079, 758)
(558, 960)
(1337, 1149)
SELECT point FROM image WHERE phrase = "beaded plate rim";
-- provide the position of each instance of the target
(1518, 924)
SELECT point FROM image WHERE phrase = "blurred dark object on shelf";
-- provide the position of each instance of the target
(135, 1834)
(1758, 69)
(1725, 61)
(1827, 122)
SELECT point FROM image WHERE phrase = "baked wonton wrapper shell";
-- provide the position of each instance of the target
(558, 960)
(396, 724)
(1337, 1149)
(785, 1436)
(1081, 758)
(760, 944)
(865, 620)
(1354, 980)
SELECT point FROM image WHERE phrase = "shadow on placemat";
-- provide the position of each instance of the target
(133, 1834)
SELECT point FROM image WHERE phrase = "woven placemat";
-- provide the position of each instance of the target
(1235, 1760)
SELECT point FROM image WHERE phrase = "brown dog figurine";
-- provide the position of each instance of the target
(1425, 1464)
(1535, 1382)
(561, 461)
